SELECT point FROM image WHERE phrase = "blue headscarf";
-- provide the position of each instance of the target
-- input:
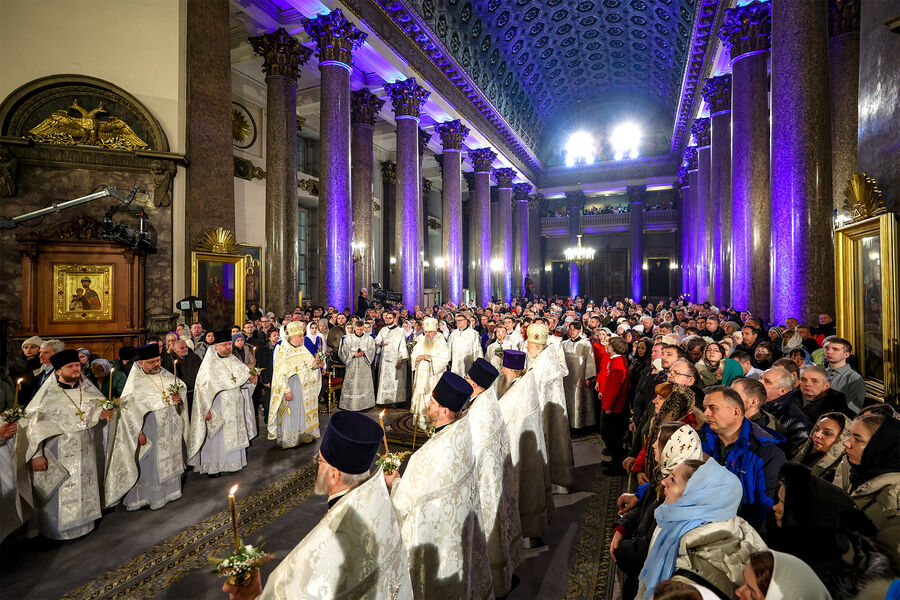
(712, 494)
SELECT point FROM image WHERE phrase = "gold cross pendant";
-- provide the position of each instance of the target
(80, 414)
(165, 398)
(233, 378)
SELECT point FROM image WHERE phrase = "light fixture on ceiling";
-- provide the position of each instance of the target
(625, 141)
(580, 255)
(579, 149)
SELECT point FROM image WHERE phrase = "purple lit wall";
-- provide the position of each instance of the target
(637, 249)
(575, 215)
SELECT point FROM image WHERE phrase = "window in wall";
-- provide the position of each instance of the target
(302, 235)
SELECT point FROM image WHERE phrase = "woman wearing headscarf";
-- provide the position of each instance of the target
(676, 406)
(698, 531)
(240, 349)
(771, 575)
(708, 366)
(639, 440)
(730, 370)
(790, 340)
(873, 480)
(823, 450)
(99, 376)
(800, 356)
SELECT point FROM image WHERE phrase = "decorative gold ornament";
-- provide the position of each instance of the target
(311, 186)
(862, 198)
(94, 127)
(218, 241)
(240, 127)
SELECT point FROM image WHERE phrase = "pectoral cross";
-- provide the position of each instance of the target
(233, 378)
(80, 414)
(165, 398)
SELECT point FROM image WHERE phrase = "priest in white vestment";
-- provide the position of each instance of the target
(522, 414)
(392, 364)
(438, 504)
(515, 340)
(429, 360)
(497, 484)
(357, 351)
(465, 346)
(152, 433)
(59, 451)
(580, 402)
(294, 402)
(222, 419)
(549, 372)
(356, 550)
(11, 514)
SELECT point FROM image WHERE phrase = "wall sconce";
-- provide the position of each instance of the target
(673, 266)
(496, 265)
(393, 260)
(548, 268)
(645, 267)
(439, 262)
(358, 249)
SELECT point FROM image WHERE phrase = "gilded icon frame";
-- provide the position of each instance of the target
(70, 293)
(254, 264)
(204, 267)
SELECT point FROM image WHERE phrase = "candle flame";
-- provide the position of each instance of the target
(20, 380)
(381, 415)
(112, 369)
(232, 490)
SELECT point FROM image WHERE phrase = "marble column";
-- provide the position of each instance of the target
(480, 225)
(636, 194)
(717, 93)
(282, 57)
(685, 228)
(504, 179)
(536, 258)
(391, 275)
(690, 157)
(575, 211)
(424, 138)
(469, 260)
(704, 215)
(843, 81)
(407, 98)
(364, 106)
(802, 249)
(745, 32)
(335, 39)
(521, 192)
(452, 135)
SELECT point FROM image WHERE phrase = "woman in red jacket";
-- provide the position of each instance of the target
(612, 390)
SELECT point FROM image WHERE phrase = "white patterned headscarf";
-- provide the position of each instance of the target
(683, 445)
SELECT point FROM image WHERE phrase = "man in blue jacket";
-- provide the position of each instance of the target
(744, 448)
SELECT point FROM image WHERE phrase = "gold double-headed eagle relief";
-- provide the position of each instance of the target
(96, 127)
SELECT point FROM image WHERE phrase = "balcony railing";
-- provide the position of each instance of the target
(611, 222)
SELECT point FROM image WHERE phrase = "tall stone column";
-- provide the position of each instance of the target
(364, 105)
(704, 216)
(504, 179)
(521, 191)
(690, 263)
(424, 138)
(535, 252)
(469, 260)
(335, 39)
(574, 211)
(407, 98)
(452, 135)
(636, 194)
(717, 93)
(745, 32)
(843, 80)
(282, 57)
(391, 276)
(802, 250)
(480, 225)
(685, 228)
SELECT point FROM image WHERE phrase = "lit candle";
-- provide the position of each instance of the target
(175, 369)
(18, 387)
(237, 544)
(383, 432)
(111, 371)
(300, 298)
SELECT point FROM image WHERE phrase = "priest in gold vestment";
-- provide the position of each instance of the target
(294, 404)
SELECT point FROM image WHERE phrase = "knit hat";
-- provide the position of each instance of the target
(32, 341)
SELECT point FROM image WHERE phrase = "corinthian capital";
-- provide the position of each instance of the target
(690, 158)
(504, 177)
(747, 28)
(522, 192)
(700, 129)
(482, 159)
(335, 37)
(364, 105)
(424, 138)
(469, 176)
(452, 134)
(407, 97)
(636, 193)
(843, 17)
(717, 93)
(282, 54)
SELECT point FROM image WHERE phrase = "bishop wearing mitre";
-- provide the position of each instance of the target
(356, 550)
(496, 475)
(465, 346)
(152, 430)
(357, 351)
(429, 359)
(59, 451)
(222, 419)
(294, 403)
(438, 504)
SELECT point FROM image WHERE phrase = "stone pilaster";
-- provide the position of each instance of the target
(843, 82)
(636, 195)
(521, 193)
(480, 225)
(704, 215)
(282, 57)
(504, 178)
(695, 241)
(452, 135)
(424, 138)
(684, 226)
(575, 211)
(717, 93)
(391, 274)
(364, 106)
(689, 216)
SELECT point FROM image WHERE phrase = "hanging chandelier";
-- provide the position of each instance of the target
(579, 255)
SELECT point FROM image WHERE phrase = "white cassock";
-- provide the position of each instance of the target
(439, 509)
(426, 373)
(514, 341)
(11, 515)
(355, 551)
(549, 372)
(522, 415)
(494, 355)
(223, 388)
(294, 422)
(358, 389)
(580, 403)
(148, 475)
(391, 380)
(498, 488)
(465, 347)
(67, 496)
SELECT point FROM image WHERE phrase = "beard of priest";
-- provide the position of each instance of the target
(69, 374)
(513, 368)
(151, 366)
(224, 349)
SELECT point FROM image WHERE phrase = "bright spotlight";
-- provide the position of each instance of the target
(625, 141)
(579, 149)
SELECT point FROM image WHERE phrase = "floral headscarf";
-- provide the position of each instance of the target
(683, 445)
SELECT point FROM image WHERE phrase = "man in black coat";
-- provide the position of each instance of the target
(815, 397)
(362, 303)
(187, 368)
(779, 403)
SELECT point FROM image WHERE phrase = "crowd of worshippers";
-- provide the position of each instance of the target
(755, 463)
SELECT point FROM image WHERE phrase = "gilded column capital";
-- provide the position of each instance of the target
(424, 138)
(521, 192)
(469, 176)
(575, 200)
(747, 29)
(636, 193)
(843, 17)
(407, 97)
(282, 54)
(700, 129)
(504, 177)
(389, 172)
(482, 159)
(683, 177)
(690, 158)
(534, 203)
(452, 134)
(335, 37)
(717, 93)
(364, 105)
